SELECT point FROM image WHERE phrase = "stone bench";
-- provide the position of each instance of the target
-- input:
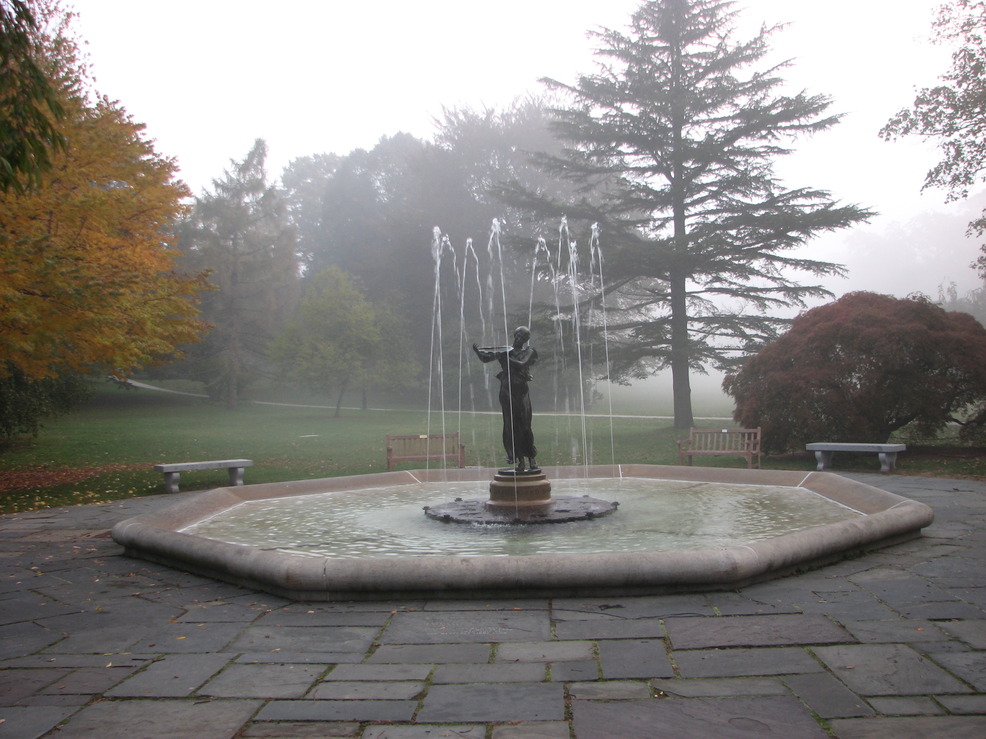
(887, 453)
(425, 447)
(172, 471)
(727, 442)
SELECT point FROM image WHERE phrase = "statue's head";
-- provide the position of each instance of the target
(522, 335)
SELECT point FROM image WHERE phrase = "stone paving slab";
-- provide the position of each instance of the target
(907, 705)
(567, 672)
(431, 653)
(305, 639)
(610, 690)
(617, 608)
(20, 722)
(262, 681)
(391, 690)
(301, 729)
(953, 727)
(495, 673)
(466, 627)
(277, 657)
(745, 662)
(494, 702)
(380, 672)
(754, 631)
(634, 658)
(532, 730)
(900, 630)
(427, 732)
(734, 717)
(975, 704)
(25, 638)
(545, 651)
(892, 669)
(337, 710)
(723, 686)
(827, 696)
(610, 629)
(162, 719)
(173, 676)
(968, 666)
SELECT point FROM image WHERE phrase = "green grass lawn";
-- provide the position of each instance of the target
(106, 449)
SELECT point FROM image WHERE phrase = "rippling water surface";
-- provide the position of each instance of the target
(654, 515)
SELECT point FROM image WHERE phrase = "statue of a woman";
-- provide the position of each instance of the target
(515, 402)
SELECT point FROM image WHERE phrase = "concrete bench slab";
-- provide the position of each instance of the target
(172, 470)
(887, 453)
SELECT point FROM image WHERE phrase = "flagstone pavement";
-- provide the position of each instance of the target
(889, 644)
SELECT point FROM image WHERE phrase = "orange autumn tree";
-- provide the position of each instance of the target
(87, 264)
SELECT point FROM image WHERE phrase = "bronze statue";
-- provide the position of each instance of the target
(515, 402)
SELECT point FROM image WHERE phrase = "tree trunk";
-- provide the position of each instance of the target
(342, 391)
(681, 388)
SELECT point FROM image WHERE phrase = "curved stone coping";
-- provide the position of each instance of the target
(887, 518)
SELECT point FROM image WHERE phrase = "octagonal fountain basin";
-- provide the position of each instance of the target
(676, 529)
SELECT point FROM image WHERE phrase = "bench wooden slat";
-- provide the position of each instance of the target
(425, 447)
(720, 443)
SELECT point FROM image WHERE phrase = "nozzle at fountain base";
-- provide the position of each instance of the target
(521, 497)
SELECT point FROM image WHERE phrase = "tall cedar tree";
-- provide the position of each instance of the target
(241, 234)
(697, 229)
(861, 368)
(88, 281)
(953, 112)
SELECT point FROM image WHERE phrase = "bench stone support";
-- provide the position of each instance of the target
(888, 461)
(236, 476)
(171, 481)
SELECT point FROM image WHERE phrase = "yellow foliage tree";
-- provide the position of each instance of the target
(87, 275)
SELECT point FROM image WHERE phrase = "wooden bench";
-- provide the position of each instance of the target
(887, 453)
(425, 447)
(721, 443)
(171, 471)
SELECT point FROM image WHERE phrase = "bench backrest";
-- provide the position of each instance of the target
(725, 440)
(422, 447)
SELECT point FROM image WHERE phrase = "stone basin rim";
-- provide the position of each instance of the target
(887, 518)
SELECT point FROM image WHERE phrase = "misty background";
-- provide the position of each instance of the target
(210, 78)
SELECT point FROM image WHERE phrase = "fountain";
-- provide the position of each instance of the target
(874, 518)
(378, 559)
(521, 494)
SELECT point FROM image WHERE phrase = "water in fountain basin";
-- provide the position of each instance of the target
(388, 522)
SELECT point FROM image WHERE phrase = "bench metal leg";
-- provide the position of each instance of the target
(235, 475)
(888, 461)
(171, 481)
(824, 460)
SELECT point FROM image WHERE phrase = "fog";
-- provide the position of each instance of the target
(311, 77)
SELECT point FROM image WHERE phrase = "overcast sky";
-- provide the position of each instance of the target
(208, 77)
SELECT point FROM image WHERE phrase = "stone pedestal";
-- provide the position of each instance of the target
(510, 489)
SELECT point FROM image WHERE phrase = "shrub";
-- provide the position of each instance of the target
(858, 369)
